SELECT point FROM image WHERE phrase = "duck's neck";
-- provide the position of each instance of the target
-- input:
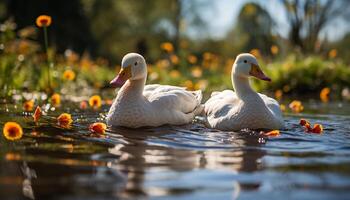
(242, 87)
(133, 88)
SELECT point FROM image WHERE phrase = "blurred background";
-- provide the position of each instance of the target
(302, 44)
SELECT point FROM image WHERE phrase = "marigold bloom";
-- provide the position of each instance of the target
(303, 122)
(318, 128)
(37, 114)
(296, 106)
(192, 59)
(174, 73)
(196, 72)
(324, 94)
(273, 133)
(98, 127)
(278, 94)
(55, 99)
(174, 59)
(12, 131)
(167, 46)
(64, 119)
(83, 105)
(95, 101)
(43, 21)
(255, 52)
(332, 53)
(274, 49)
(68, 75)
(28, 105)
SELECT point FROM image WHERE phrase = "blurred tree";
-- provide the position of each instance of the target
(254, 29)
(69, 29)
(308, 17)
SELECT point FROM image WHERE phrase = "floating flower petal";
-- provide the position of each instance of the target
(64, 119)
(98, 127)
(273, 133)
(37, 114)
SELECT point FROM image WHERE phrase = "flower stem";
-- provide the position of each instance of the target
(47, 57)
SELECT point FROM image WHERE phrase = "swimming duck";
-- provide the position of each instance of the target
(244, 108)
(137, 105)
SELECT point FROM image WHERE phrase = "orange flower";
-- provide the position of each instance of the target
(324, 94)
(188, 84)
(174, 59)
(83, 105)
(12, 131)
(43, 21)
(278, 94)
(296, 106)
(95, 101)
(174, 73)
(28, 105)
(167, 46)
(192, 59)
(196, 72)
(318, 128)
(303, 122)
(332, 53)
(273, 133)
(68, 75)
(98, 127)
(55, 99)
(274, 49)
(64, 119)
(255, 53)
(37, 114)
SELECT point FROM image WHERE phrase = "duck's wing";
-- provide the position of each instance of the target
(173, 98)
(220, 108)
(272, 104)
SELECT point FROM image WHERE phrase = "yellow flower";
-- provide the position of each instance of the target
(12, 131)
(167, 46)
(255, 53)
(98, 127)
(201, 85)
(55, 99)
(192, 59)
(283, 107)
(207, 56)
(174, 59)
(324, 94)
(196, 72)
(278, 94)
(188, 84)
(37, 114)
(95, 101)
(296, 106)
(332, 53)
(43, 21)
(174, 74)
(274, 49)
(28, 105)
(64, 119)
(68, 75)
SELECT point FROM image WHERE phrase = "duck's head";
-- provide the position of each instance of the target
(246, 65)
(133, 67)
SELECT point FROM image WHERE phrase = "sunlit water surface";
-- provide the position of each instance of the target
(183, 162)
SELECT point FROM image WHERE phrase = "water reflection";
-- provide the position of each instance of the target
(147, 157)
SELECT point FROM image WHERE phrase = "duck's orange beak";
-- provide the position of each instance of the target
(258, 73)
(123, 75)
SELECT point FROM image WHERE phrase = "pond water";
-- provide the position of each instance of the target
(169, 162)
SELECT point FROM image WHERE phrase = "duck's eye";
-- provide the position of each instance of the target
(135, 63)
(245, 61)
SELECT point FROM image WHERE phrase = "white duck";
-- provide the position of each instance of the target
(137, 105)
(245, 108)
